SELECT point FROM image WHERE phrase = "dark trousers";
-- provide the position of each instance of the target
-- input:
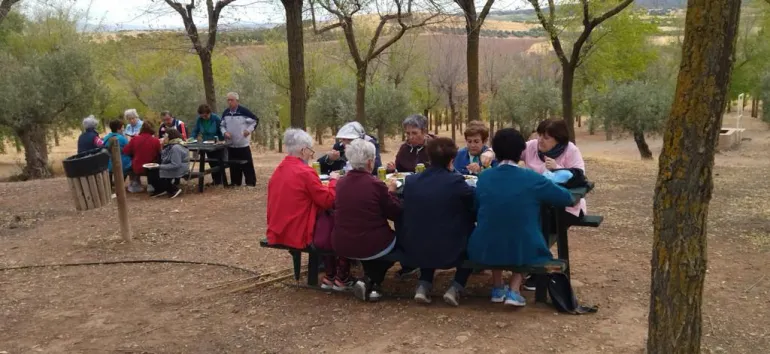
(165, 185)
(376, 269)
(461, 276)
(337, 267)
(238, 171)
(215, 155)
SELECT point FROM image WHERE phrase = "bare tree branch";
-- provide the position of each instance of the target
(612, 12)
(548, 25)
(5, 8)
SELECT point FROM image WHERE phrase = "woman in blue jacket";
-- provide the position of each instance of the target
(508, 200)
(469, 160)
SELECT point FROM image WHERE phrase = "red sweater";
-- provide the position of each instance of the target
(143, 148)
(362, 210)
(295, 194)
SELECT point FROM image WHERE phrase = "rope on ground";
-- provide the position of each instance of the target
(130, 261)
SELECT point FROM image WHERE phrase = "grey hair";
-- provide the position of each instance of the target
(416, 121)
(296, 140)
(90, 122)
(234, 95)
(359, 152)
(130, 113)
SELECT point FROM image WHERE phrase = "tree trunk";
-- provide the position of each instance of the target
(453, 111)
(491, 127)
(567, 81)
(641, 144)
(35, 152)
(460, 120)
(297, 86)
(319, 135)
(729, 106)
(437, 122)
(361, 95)
(754, 106)
(208, 79)
(472, 59)
(55, 137)
(381, 136)
(446, 117)
(685, 181)
(280, 136)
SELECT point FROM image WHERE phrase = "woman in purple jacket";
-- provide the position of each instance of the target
(363, 206)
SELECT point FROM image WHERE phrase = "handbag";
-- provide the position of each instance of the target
(322, 235)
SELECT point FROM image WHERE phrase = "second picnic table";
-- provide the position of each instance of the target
(204, 150)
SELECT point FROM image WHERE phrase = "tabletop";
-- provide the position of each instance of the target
(205, 147)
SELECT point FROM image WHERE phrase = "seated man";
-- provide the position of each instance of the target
(438, 219)
(508, 200)
(363, 207)
(336, 160)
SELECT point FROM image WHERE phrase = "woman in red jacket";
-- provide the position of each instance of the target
(295, 196)
(143, 149)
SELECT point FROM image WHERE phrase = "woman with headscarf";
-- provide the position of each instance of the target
(336, 160)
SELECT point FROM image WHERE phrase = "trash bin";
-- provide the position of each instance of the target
(88, 178)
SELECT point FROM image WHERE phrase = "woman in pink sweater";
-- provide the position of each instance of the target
(552, 150)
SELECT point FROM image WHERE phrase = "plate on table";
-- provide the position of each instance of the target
(399, 184)
(208, 142)
(151, 165)
(397, 175)
(324, 177)
(471, 180)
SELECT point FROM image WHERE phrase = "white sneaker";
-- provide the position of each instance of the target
(452, 296)
(150, 189)
(421, 294)
(178, 192)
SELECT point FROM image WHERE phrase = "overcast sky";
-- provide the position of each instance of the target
(133, 13)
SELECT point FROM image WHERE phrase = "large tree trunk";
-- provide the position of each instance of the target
(641, 144)
(297, 86)
(453, 112)
(684, 185)
(35, 152)
(472, 59)
(208, 79)
(361, 95)
(567, 83)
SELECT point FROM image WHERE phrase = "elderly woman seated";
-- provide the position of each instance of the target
(469, 160)
(336, 159)
(364, 205)
(89, 139)
(508, 200)
(438, 219)
(295, 196)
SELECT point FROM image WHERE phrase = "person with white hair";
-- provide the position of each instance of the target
(296, 198)
(89, 139)
(237, 125)
(335, 159)
(363, 206)
(134, 125)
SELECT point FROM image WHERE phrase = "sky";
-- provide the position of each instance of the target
(133, 14)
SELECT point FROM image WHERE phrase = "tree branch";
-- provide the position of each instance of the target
(5, 8)
(402, 30)
(338, 24)
(214, 13)
(548, 26)
(614, 11)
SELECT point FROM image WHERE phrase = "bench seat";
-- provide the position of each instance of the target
(590, 221)
(554, 266)
(196, 174)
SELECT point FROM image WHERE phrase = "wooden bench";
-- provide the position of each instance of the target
(314, 259)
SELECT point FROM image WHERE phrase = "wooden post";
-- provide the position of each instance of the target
(120, 189)
(77, 196)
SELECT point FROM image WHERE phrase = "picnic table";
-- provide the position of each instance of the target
(204, 149)
(554, 230)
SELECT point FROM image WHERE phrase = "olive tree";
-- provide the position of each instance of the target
(46, 82)
(637, 107)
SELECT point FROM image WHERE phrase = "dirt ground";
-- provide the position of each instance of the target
(175, 308)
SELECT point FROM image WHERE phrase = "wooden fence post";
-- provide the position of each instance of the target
(120, 189)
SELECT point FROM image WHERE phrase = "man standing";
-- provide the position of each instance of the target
(237, 125)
